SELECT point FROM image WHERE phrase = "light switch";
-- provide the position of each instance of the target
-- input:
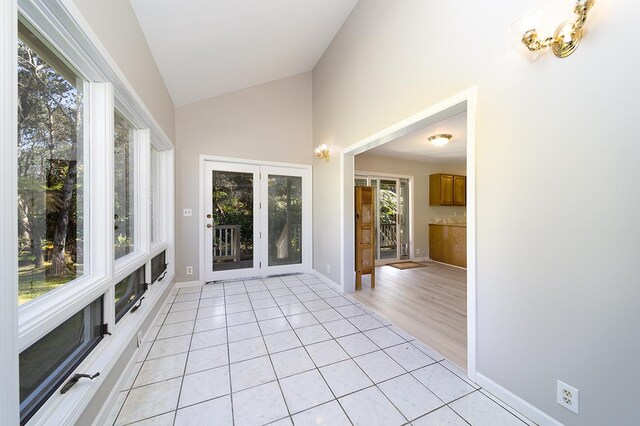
(187, 212)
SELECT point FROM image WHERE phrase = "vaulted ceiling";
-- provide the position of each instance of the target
(205, 48)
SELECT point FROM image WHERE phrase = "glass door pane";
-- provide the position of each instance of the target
(388, 213)
(403, 218)
(285, 220)
(374, 184)
(232, 196)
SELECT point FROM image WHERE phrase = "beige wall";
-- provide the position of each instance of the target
(420, 208)
(557, 281)
(116, 25)
(269, 122)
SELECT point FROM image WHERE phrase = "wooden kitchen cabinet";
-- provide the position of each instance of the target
(459, 191)
(447, 190)
(448, 244)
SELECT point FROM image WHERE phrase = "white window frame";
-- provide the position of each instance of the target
(9, 396)
(162, 186)
(61, 23)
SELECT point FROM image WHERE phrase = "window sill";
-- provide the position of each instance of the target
(67, 409)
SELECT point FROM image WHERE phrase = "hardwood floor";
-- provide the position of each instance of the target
(429, 302)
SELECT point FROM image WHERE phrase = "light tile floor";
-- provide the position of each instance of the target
(291, 350)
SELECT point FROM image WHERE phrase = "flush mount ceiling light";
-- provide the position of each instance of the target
(440, 140)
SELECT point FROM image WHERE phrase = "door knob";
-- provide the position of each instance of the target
(209, 216)
(209, 225)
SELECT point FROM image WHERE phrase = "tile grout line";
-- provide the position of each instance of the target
(271, 361)
(186, 363)
(138, 373)
(322, 324)
(226, 327)
(316, 366)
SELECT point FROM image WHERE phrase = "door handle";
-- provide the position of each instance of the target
(209, 225)
(209, 216)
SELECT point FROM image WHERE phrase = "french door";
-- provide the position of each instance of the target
(257, 220)
(391, 202)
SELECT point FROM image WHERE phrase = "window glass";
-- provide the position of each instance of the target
(158, 267)
(128, 291)
(124, 180)
(285, 220)
(48, 362)
(155, 196)
(51, 174)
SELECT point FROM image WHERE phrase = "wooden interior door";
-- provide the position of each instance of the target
(365, 215)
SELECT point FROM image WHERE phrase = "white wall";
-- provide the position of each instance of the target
(117, 27)
(270, 122)
(557, 181)
(420, 208)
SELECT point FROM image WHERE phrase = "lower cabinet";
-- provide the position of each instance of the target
(448, 244)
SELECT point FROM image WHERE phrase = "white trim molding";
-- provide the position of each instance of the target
(515, 402)
(9, 384)
(465, 100)
(327, 281)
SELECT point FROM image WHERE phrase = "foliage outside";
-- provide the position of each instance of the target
(50, 176)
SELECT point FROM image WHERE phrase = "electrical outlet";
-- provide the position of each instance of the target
(189, 270)
(139, 338)
(568, 397)
(187, 212)
(328, 269)
(418, 252)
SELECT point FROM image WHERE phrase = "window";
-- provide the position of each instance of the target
(124, 181)
(51, 176)
(48, 362)
(128, 291)
(159, 267)
(155, 197)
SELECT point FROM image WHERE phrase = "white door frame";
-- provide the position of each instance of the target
(458, 102)
(307, 227)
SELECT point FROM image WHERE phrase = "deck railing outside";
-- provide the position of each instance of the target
(226, 243)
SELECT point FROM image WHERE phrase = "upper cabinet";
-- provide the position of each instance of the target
(459, 190)
(447, 190)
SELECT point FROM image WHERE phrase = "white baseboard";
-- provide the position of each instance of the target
(517, 403)
(189, 284)
(327, 281)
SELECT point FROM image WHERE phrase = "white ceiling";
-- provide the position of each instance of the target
(416, 147)
(205, 48)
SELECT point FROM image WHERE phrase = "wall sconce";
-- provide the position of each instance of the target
(567, 35)
(322, 152)
(440, 140)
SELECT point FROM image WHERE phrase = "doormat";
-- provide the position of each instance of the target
(406, 265)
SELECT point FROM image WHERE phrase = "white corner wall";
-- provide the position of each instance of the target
(557, 181)
(268, 122)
